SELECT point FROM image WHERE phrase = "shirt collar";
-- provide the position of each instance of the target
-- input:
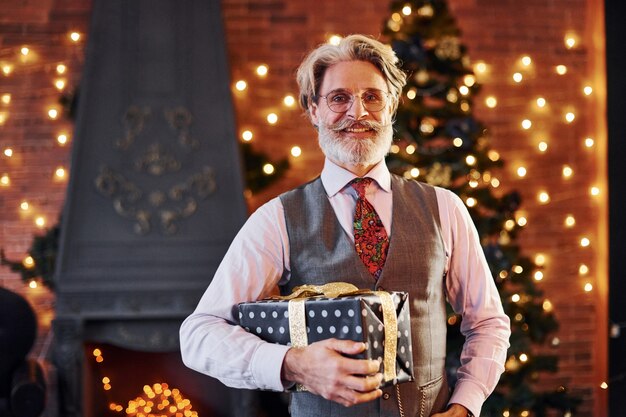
(335, 178)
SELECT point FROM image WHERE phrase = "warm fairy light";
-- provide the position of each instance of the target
(515, 298)
(518, 77)
(470, 160)
(570, 221)
(473, 183)
(567, 171)
(569, 117)
(469, 80)
(5, 180)
(268, 169)
(523, 358)
(457, 142)
(538, 275)
(588, 287)
(522, 221)
(587, 90)
(296, 151)
(411, 94)
(526, 61)
(3, 117)
(594, 191)
(106, 387)
(61, 68)
(272, 118)
(394, 148)
(7, 69)
(28, 262)
(604, 385)
(509, 224)
(246, 135)
(289, 101)
(24, 51)
(406, 10)
(53, 113)
(506, 413)
(106, 380)
(547, 306)
(62, 139)
(540, 259)
(241, 85)
(464, 90)
(410, 149)
(561, 69)
(471, 202)
(24, 206)
(495, 183)
(97, 352)
(493, 155)
(8, 152)
(570, 40)
(526, 124)
(541, 102)
(33, 284)
(75, 36)
(334, 40)
(542, 146)
(6, 98)
(60, 173)
(521, 172)
(583, 269)
(262, 70)
(491, 102)
(543, 197)
(589, 142)
(415, 172)
(465, 106)
(480, 67)
(59, 84)
(40, 221)
(585, 242)
(99, 359)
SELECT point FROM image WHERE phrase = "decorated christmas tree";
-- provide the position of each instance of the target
(440, 141)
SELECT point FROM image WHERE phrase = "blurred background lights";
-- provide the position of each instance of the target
(567, 171)
(491, 102)
(518, 77)
(570, 221)
(24, 205)
(541, 102)
(540, 259)
(40, 221)
(526, 124)
(268, 169)
(8, 152)
(61, 68)
(543, 197)
(75, 36)
(406, 10)
(53, 113)
(241, 85)
(5, 181)
(569, 117)
(521, 172)
(526, 60)
(587, 90)
(588, 287)
(296, 151)
(561, 69)
(334, 40)
(589, 142)
(262, 70)
(272, 118)
(542, 146)
(585, 242)
(24, 51)
(480, 67)
(246, 135)
(289, 101)
(583, 269)
(6, 98)
(594, 191)
(62, 139)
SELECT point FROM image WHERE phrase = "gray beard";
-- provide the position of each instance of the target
(348, 151)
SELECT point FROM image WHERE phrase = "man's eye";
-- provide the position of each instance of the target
(372, 98)
(340, 98)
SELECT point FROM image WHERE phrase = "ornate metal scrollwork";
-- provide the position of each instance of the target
(180, 120)
(133, 121)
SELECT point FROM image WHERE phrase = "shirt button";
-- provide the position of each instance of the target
(386, 396)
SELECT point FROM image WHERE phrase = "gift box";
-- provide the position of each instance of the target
(380, 319)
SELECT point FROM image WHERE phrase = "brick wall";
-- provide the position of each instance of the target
(277, 33)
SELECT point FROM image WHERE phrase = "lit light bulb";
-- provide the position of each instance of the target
(480, 67)
(522, 221)
(567, 171)
(541, 102)
(3, 117)
(411, 94)
(542, 146)
(523, 358)
(594, 191)
(246, 135)
(561, 69)
(457, 142)
(587, 90)
(518, 269)
(543, 197)
(296, 151)
(272, 118)
(583, 269)
(538, 275)
(394, 148)
(547, 306)
(491, 102)
(268, 169)
(75, 36)
(334, 40)
(62, 139)
(515, 298)
(262, 70)
(53, 113)
(415, 172)
(7, 69)
(471, 202)
(61, 68)
(518, 77)
(410, 149)
(569, 117)
(526, 124)
(60, 172)
(289, 101)
(24, 206)
(469, 80)
(521, 172)
(464, 90)
(59, 84)
(24, 51)
(40, 221)
(28, 262)
(241, 85)
(526, 61)
(588, 287)
(32, 284)
(470, 160)
(570, 221)
(406, 10)
(6, 98)
(493, 155)
(589, 142)
(8, 152)
(570, 40)
(585, 242)
(5, 180)
(604, 385)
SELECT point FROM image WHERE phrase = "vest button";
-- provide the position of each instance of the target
(386, 396)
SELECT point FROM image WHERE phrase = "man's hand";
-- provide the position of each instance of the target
(323, 370)
(455, 410)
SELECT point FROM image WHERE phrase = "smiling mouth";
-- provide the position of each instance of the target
(358, 130)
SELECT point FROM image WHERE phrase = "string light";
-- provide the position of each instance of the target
(585, 242)
(296, 151)
(75, 36)
(561, 69)
(5, 181)
(583, 269)
(3, 117)
(410, 149)
(53, 113)
(241, 85)
(526, 61)
(541, 102)
(604, 385)
(268, 169)
(457, 142)
(8, 152)
(411, 94)
(470, 160)
(32, 284)
(469, 80)
(518, 77)
(40, 221)
(24, 51)
(588, 287)
(28, 262)
(262, 70)
(406, 10)
(570, 40)
(526, 124)
(569, 117)
(589, 142)
(515, 298)
(6, 98)
(61, 69)
(24, 206)
(246, 135)
(540, 259)
(523, 358)
(62, 139)
(60, 173)
(538, 275)
(289, 101)
(272, 118)
(543, 197)
(547, 306)
(587, 90)
(7, 69)
(570, 221)
(491, 102)
(594, 191)
(415, 172)
(567, 171)
(471, 202)
(480, 67)
(521, 172)
(334, 40)
(542, 146)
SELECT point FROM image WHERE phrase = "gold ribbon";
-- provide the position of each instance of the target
(297, 317)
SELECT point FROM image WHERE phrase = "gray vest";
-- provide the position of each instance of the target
(321, 251)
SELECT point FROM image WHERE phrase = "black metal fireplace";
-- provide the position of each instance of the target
(155, 194)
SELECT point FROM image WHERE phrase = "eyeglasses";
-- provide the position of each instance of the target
(340, 101)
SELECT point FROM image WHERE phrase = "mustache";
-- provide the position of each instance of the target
(363, 124)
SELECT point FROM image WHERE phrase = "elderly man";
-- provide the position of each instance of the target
(360, 224)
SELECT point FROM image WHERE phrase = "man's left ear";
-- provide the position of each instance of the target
(313, 113)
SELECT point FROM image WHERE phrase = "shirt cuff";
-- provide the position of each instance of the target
(469, 395)
(266, 365)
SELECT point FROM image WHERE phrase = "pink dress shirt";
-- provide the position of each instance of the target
(258, 259)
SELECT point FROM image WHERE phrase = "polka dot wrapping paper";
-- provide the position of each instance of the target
(352, 317)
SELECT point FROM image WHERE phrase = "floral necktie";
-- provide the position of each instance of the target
(370, 238)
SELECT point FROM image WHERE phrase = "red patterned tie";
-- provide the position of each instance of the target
(370, 237)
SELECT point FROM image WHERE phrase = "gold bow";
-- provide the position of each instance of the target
(297, 317)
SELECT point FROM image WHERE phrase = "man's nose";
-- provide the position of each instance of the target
(357, 110)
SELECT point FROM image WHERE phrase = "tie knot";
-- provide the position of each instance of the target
(360, 184)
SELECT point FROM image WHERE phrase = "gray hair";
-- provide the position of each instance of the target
(351, 48)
